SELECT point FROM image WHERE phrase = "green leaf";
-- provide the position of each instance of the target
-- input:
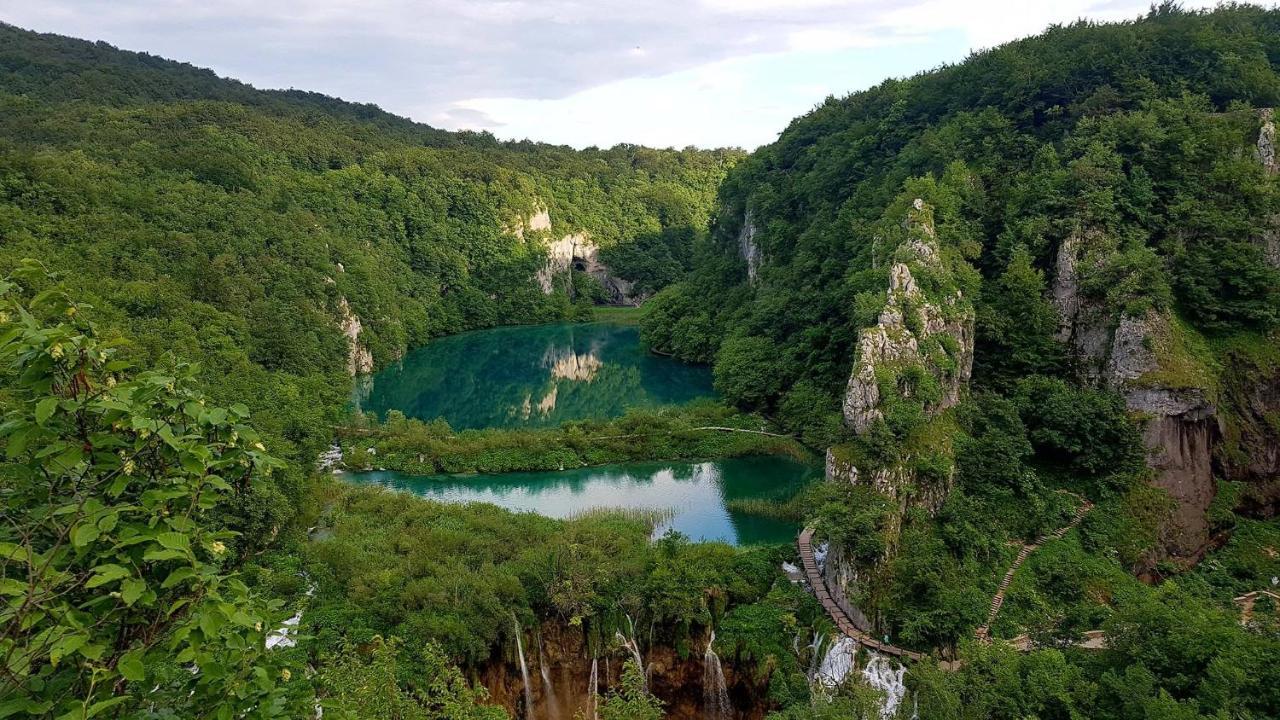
(131, 590)
(178, 576)
(107, 573)
(10, 586)
(85, 534)
(45, 408)
(131, 666)
(101, 705)
(10, 551)
(210, 624)
(159, 555)
(174, 541)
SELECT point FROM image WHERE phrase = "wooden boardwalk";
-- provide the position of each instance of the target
(983, 633)
(1093, 639)
(838, 615)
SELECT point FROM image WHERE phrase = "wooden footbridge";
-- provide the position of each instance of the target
(838, 615)
(849, 628)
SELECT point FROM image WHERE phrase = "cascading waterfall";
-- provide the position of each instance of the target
(553, 705)
(593, 689)
(881, 673)
(886, 676)
(524, 672)
(837, 663)
(634, 647)
(714, 690)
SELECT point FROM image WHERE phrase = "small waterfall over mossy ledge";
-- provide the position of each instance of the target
(715, 691)
(524, 671)
(881, 672)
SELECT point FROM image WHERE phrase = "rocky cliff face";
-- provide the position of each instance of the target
(359, 359)
(1179, 423)
(912, 330)
(916, 334)
(748, 249)
(576, 251)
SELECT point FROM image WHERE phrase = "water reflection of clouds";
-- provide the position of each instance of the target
(691, 498)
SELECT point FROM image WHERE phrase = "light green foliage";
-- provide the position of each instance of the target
(115, 570)
(362, 682)
(631, 701)
(692, 431)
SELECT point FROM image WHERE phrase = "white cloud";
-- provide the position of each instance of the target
(667, 72)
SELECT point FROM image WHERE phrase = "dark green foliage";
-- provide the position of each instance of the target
(1085, 431)
(1135, 139)
(748, 371)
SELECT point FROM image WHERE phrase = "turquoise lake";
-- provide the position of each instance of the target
(544, 375)
(531, 376)
(694, 496)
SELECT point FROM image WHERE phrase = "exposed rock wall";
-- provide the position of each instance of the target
(915, 332)
(576, 251)
(748, 249)
(359, 359)
(910, 330)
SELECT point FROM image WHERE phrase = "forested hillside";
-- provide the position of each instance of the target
(1039, 285)
(252, 230)
(1026, 307)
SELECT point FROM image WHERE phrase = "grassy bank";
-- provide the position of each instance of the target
(696, 431)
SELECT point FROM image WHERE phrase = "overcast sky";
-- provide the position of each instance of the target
(577, 72)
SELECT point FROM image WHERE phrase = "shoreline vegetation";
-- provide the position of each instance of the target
(697, 431)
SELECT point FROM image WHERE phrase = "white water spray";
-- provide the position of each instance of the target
(593, 690)
(553, 705)
(714, 690)
(524, 672)
(886, 676)
(634, 647)
(815, 655)
(881, 673)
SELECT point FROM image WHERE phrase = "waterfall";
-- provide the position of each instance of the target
(553, 705)
(714, 691)
(815, 655)
(593, 689)
(837, 663)
(881, 673)
(634, 647)
(886, 676)
(524, 672)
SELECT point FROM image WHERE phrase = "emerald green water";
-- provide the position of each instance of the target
(531, 376)
(694, 495)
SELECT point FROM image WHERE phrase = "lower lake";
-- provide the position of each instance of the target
(531, 376)
(693, 497)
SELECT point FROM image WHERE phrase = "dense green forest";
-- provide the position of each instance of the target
(232, 226)
(1042, 237)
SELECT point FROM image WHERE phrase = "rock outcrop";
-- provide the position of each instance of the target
(359, 359)
(748, 249)
(576, 251)
(912, 330)
(920, 338)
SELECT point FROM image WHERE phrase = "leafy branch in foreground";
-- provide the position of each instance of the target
(114, 583)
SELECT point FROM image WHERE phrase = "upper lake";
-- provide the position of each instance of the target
(531, 376)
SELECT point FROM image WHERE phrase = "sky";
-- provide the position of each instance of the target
(665, 73)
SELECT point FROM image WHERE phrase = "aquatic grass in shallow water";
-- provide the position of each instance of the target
(650, 517)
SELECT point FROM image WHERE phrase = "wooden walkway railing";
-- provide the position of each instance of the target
(838, 615)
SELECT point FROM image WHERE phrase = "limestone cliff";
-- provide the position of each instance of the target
(748, 249)
(913, 330)
(575, 251)
(1179, 421)
(920, 350)
(359, 359)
